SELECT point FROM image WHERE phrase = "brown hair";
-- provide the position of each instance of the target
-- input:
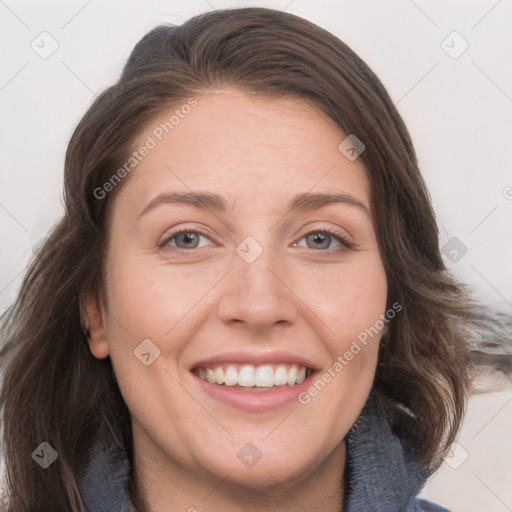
(54, 390)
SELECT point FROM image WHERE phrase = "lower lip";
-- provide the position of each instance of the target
(254, 401)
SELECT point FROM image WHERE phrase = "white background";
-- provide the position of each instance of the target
(458, 110)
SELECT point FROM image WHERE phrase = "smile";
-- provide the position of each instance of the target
(254, 377)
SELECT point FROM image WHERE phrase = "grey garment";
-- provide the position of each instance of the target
(104, 487)
(381, 476)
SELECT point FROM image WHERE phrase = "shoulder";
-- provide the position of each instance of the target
(421, 505)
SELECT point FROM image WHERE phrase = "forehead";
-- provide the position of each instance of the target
(245, 147)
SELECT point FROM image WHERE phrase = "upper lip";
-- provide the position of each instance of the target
(255, 358)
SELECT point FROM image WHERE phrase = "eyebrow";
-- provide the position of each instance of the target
(307, 201)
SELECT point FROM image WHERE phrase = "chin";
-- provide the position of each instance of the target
(261, 470)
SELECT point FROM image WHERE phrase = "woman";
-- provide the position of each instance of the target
(244, 306)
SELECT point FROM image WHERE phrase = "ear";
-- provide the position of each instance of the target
(94, 320)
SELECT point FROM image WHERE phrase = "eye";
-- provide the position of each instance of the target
(324, 240)
(319, 240)
(184, 240)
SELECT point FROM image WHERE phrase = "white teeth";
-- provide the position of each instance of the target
(301, 375)
(280, 376)
(210, 376)
(231, 376)
(292, 375)
(249, 376)
(264, 376)
(219, 376)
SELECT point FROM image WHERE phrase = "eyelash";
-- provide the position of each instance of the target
(346, 244)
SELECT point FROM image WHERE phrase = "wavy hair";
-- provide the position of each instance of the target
(54, 390)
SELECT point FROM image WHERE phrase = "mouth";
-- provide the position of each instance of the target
(249, 377)
(254, 383)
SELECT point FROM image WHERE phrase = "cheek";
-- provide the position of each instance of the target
(347, 299)
(155, 302)
(140, 309)
(150, 300)
(351, 302)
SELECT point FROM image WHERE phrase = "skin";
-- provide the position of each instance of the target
(257, 153)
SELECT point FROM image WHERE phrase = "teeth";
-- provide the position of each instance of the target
(292, 375)
(247, 376)
(219, 376)
(280, 376)
(301, 375)
(250, 376)
(230, 377)
(210, 376)
(264, 376)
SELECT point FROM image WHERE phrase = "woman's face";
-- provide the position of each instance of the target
(212, 332)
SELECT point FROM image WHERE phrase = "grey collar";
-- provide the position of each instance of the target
(381, 473)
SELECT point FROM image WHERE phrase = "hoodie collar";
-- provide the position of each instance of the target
(380, 471)
(104, 487)
(380, 474)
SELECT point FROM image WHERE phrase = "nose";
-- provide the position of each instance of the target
(258, 294)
